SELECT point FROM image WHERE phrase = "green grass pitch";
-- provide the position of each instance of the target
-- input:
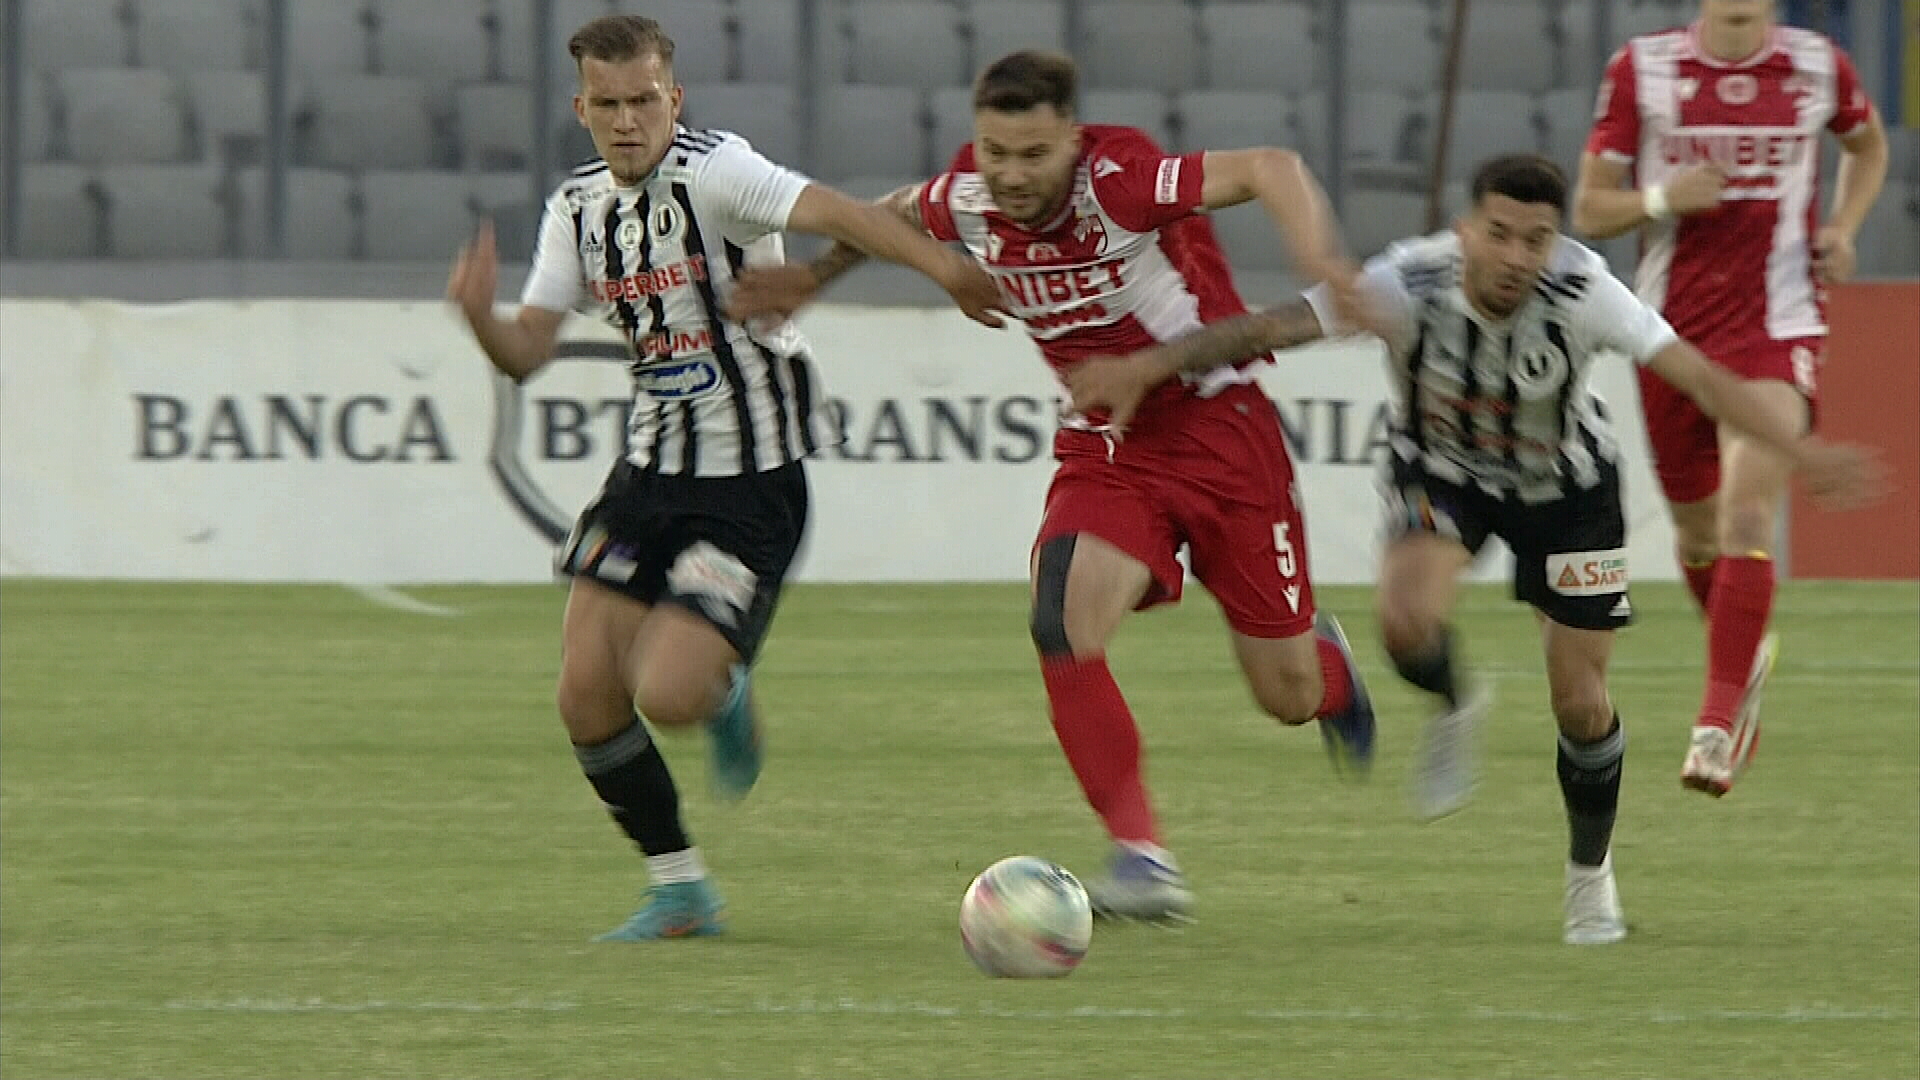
(289, 833)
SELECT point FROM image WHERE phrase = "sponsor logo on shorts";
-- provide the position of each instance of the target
(1588, 573)
(719, 582)
(677, 381)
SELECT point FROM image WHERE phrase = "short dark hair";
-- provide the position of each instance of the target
(1028, 79)
(615, 38)
(1527, 178)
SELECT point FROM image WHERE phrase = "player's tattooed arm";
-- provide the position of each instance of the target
(843, 257)
(1117, 384)
(1243, 336)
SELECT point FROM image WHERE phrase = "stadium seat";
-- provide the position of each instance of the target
(873, 186)
(1631, 18)
(441, 42)
(1569, 117)
(766, 116)
(1259, 46)
(952, 123)
(1000, 27)
(321, 217)
(167, 211)
(894, 42)
(1389, 138)
(195, 35)
(509, 28)
(702, 33)
(227, 113)
(1510, 45)
(1374, 219)
(871, 129)
(1232, 119)
(354, 121)
(60, 214)
(508, 200)
(496, 125)
(1487, 123)
(333, 36)
(1392, 45)
(1250, 240)
(122, 115)
(1131, 45)
(1148, 110)
(78, 33)
(36, 120)
(416, 213)
(769, 40)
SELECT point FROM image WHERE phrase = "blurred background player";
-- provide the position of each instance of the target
(1491, 330)
(1094, 236)
(678, 564)
(1718, 124)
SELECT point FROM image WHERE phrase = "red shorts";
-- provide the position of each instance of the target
(1218, 479)
(1686, 442)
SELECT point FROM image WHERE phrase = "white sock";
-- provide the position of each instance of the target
(676, 867)
(1152, 851)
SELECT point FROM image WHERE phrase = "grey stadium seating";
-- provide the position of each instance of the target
(356, 121)
(122, 115)
(1259, 46)
(167, 211)
(766, 115)
(321, 219)
(895, 42)
(1133, 45)
(79, 33)
(998, 27)
(872, 129)
(196, 35)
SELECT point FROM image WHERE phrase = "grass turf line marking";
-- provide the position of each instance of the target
(393, 599)
(1791, 1014)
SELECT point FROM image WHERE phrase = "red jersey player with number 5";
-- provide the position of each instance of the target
(1100, 245)
(1708, 140)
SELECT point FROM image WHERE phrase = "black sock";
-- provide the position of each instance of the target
(1590, 784)
(1431, 667)
(632, 780)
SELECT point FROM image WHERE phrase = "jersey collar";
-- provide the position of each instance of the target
(1700, 52)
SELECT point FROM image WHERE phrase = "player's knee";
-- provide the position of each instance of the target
(1583, 714)
(1404, 629)
(592, 703)
(674, 701)
(1291, 697)
(1047, 622)
(1746, 527)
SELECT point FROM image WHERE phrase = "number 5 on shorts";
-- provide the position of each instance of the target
(1283, 547)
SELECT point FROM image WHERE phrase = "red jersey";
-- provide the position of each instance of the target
(1129, 261)
(1742, 273)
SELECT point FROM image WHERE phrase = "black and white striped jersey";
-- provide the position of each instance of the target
(1505, 404)
(712, 397)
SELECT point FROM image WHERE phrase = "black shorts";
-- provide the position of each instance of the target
(719, 546)
(1569, 554)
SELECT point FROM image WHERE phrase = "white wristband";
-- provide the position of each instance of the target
(1654, 201)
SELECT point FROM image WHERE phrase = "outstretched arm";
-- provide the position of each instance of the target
(842, 257)
(780, 291)
(1840, 475)
(1119, 383)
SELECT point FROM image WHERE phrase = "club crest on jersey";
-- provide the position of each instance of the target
(1091, 234)
(667, 221)
(1737, 89)
(1539, 372)
(628, 236)
(1037, 253)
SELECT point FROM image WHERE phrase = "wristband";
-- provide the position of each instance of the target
(1654, 200)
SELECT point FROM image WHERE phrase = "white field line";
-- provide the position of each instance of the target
(387, 596)
(1792, 1014)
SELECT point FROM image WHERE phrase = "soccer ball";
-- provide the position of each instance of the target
(1025, 918)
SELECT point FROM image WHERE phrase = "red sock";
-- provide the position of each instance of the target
(1700, 580)
(1336, 691)
(1737, 620)
(1096, 730)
